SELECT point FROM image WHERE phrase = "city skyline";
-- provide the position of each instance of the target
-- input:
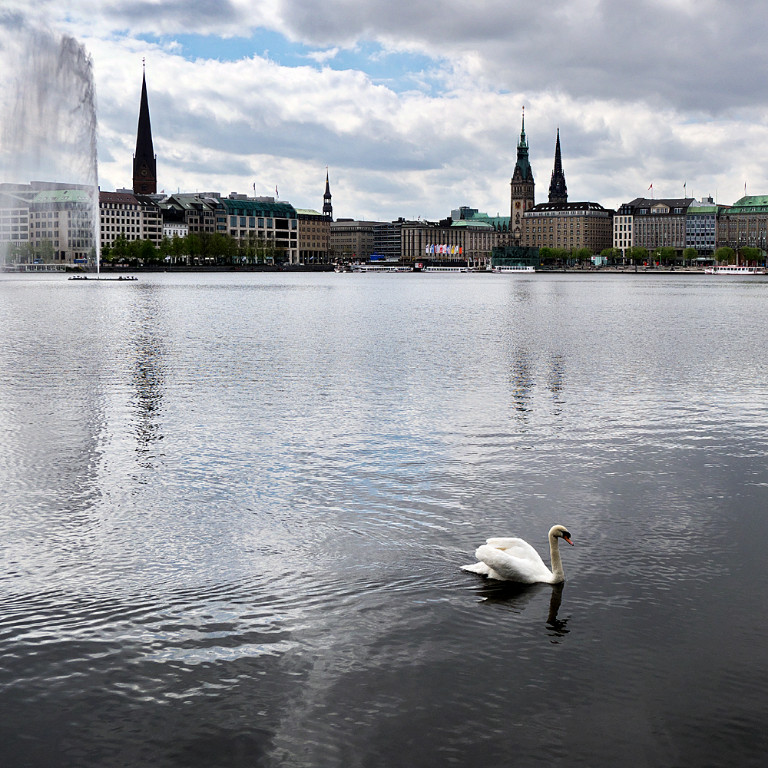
(417, 113)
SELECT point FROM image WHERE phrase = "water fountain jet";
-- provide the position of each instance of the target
(48, 145)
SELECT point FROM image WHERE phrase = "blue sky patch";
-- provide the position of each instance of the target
(398, 71)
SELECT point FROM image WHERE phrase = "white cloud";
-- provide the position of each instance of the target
(651, 91)
(321, 57)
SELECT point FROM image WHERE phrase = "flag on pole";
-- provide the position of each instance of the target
(651, 187)
(276, 193)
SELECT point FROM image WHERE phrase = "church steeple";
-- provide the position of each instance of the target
(523, 186)
(327, 207)
(558, 192)
(144, 159)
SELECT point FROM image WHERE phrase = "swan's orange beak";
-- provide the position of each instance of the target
(568, 540)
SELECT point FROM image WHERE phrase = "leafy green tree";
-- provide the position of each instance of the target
(665, 254)
(146, 252)
(612, 254)
(725, 255)
(44, 251)
(582, 254)
(751, 254)
(690, 254)
(179, 250)
(119, 250)
(638, 254)
(194, 248)
(24, 253)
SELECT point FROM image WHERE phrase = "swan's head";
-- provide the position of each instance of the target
(560, 532)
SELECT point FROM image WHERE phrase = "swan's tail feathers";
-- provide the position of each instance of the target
(480, 568)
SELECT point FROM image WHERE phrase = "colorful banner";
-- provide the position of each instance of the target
(444, 250)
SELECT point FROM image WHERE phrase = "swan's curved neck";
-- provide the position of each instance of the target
(557, 564)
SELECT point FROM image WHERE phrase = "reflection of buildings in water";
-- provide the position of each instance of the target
(555, 380)
(523, 381)
(148, 373)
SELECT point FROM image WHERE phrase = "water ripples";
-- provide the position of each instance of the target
(235, 510)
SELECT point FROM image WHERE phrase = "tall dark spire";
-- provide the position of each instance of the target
(558, 192)
(327, 207)
(144, 160)
(523, 186)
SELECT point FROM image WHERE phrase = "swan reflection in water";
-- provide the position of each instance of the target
(516, 597)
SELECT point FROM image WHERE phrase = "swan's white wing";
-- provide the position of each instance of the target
(516, 548)
(508, 567)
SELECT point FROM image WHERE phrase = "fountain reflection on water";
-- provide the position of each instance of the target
(48, 147)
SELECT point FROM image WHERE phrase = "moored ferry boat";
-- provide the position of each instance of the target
(381, 268)
(445, 269)
(732, 269)
(517, 268)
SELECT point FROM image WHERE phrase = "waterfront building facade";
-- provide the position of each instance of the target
(701, 226)
(133, 217)
(262, 219)
(623, 237)
(47, 223)
(659, 223)
(198, 213)
(387, 239)
(465, 242)
(353, 240)
(314, 240)
(568, 226)
(744, 224)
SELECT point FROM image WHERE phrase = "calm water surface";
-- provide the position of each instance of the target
(235, 508)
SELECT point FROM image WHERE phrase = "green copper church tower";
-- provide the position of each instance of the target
(523, 187)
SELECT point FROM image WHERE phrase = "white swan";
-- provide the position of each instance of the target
(516, 560)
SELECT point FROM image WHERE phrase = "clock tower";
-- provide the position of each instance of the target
(144, 160)
(522, 188)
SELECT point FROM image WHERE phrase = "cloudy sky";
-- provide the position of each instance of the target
(415, 106)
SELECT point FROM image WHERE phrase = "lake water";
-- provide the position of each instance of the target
(234, 509)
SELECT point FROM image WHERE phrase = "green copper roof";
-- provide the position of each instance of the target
(62, 196)
(473, 223)
(259, 208)
(750, 202)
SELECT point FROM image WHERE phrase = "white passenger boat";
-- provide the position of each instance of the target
(380, 268)
(518, 269)
(734, 270)
(444, 269)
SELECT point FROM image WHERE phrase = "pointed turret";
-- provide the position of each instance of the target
(144, 160)
(523, 186)
(558, 191)
(523, 165)
(327, 207)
